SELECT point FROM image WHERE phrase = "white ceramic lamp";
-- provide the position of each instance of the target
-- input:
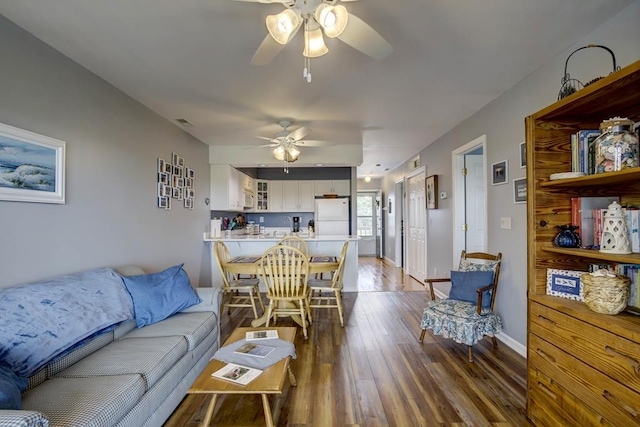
(615, 239)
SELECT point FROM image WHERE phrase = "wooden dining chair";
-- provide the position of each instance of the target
(467, 315)
(236, 292)
(296, 242)
(325, 293)
(285, 271)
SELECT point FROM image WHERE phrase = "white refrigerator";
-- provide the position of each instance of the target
(332, 217)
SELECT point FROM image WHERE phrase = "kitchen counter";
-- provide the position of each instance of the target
(254, 244)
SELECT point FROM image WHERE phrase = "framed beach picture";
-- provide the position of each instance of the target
(565, 284)
(431, 185)
(500, 172)
(523, 155)
(32, 166)
(520, 190)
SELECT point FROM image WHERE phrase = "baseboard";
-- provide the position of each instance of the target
(504, 338)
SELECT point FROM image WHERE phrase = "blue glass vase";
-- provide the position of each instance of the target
(567, 237)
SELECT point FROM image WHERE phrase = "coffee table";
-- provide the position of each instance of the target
(270, 381)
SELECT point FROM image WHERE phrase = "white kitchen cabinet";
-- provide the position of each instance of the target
(227, 192)
(341, 187)
(276, 196)
(263, 201)
(298, 196)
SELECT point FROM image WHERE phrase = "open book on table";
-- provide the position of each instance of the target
(237, 374)
(253, 349)
(261, 335)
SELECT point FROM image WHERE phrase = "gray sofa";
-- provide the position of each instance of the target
(127, 376)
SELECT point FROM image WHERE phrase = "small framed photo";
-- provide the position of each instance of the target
(168, 207)
(520, 190)
(162, 202)
(188, 203)
(178, 170)
(163, 178)
(167, 167)
(191, 193)
(523, 155)
(188, 182)
(192, 173)
(565, 284)
(431, 185)
(500, 173)
(161, 165)
(174, 159)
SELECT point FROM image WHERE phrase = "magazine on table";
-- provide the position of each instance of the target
(253, 349)
(261, 335)
(236, 374)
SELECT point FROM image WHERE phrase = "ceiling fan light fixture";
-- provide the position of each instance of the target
(279, 153)
(333, 19)
(314, 44)
(293, 152)
(282, 25)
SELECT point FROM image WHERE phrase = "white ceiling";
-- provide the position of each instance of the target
(191, 59)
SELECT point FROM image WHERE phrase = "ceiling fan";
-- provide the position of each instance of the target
(286, 142)
(317, 17)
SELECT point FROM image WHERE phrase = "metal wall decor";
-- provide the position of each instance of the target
(570, 85)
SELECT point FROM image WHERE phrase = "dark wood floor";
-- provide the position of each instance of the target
(374, 372)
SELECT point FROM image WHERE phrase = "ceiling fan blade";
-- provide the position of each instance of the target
(265, 138)
(359, 35)
(267, 50)
(313, 143)
(299, 133)
(269, 1)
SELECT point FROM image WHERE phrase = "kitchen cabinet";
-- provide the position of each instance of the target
(227, 188)
(341, 187)
(298, 196)
(262, 195)
(276, 196)
(582, 365)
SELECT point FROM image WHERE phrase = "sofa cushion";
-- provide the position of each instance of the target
(192, 326)
(63, 361)
(95, 401)
(11, 387)
(13, 418)
(149, 357)
(157, 296)
(38, 321)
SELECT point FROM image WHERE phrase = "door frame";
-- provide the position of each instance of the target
(457, 163)
(399, 222)
(376, 214)
(405, 210)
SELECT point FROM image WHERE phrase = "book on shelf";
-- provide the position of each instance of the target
(261, 335)
(582, 155)
(633, 228)
(582, 215)
(631, 271)
(237, 374)
(253, 349)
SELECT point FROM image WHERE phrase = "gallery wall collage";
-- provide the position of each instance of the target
(176, 182)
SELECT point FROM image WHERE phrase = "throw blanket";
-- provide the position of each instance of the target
(41, 320)
(282, 349)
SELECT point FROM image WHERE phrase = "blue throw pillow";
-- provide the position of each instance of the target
(11, 388)
(159, 295)
(465, 283)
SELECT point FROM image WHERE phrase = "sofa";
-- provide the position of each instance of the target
(87, 349)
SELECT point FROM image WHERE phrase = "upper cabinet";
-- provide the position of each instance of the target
(341, 187)
(262, 195)
(298, 196)
(227, 188)
(276, 196)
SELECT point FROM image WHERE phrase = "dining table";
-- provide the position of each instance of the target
(250, 265)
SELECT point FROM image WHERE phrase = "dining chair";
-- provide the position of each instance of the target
(236, 291)
(285, 271)
(296, 242)
(467, 315)
(332, 288)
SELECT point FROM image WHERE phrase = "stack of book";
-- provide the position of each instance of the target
(582, 151)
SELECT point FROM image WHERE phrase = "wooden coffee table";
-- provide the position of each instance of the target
(270, 381)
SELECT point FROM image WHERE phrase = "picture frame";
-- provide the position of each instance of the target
(32, 166)
(431, 190)
(523, 155)
(565, 284)
(162, 164)
(500, 172)
(520, 190)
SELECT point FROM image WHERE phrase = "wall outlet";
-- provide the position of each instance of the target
(261, 219)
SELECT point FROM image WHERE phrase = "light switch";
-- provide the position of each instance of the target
(505, 223)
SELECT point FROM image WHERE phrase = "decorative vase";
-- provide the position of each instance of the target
(617, 146)
(615, 239)
(567, 237)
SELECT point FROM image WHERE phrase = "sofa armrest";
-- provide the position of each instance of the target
(211, 300)
(15, 418)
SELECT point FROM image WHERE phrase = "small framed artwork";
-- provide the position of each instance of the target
(161, 165)
(168, 206)
(431, 186)
(162, 202)
(167, 167)
(188, 203)
(32, 166)
(163, 178)
(500, 172)
(565, 284)
(523, 155)
(174, 159)
(520, 190)
(192, 173)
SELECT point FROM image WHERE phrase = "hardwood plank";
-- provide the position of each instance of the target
(375, 372)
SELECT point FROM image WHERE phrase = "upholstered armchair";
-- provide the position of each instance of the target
(467, 315)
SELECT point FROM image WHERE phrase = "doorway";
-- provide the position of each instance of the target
(398, 221)
(368, 222)
(416, 221)
(470, 198)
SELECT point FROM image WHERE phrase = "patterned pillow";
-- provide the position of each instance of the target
(466, 265)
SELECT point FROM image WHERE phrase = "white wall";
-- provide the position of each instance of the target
(110, 217)
(503, 123)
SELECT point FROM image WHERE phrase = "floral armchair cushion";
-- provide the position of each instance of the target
(460, 321)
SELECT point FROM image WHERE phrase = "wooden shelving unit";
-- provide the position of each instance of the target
(583, 367)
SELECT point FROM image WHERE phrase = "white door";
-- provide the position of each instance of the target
(366, 223)
(475, 210)
(416, 255)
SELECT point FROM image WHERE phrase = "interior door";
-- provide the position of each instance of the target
(416, 254)
(366, 223)
(475, 209)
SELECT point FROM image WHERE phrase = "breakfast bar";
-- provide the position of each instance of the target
(253, 244)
